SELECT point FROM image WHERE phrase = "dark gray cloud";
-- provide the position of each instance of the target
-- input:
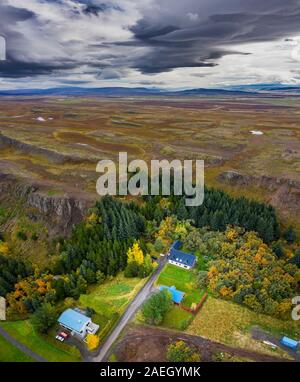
(151, 36)
(197, 33)
(11, 68)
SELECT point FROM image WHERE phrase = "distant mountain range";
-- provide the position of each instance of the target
(238, 90)
(266, 88)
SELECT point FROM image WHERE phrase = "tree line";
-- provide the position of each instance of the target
(98, 246)
(218, 211)
(12, 270)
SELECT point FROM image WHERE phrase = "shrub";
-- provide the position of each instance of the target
(156, 307)
(92, 341)
(21, 235)
(296, 260)
(158, 245)
(290, 235)
(278, 250)
(181, 352)
(132, 270)
(89, 311)
(44, 317)
(100, 276)
(202, 280)
(34, 237)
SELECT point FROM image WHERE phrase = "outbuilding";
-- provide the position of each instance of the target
(177, 295)
(289, 342)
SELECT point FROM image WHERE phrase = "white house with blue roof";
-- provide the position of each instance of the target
(180, 258)
(78, 323)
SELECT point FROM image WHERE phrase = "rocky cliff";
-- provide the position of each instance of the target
(60, 212)
(283, 194)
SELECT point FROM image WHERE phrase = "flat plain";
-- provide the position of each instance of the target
(57, 142)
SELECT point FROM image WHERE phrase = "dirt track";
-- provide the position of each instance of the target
(146, 344)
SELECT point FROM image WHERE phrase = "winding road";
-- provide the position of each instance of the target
(21, 347)
(140, 298)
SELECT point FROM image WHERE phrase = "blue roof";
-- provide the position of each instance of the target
(177, 244)
(73, 320)
(177, 295)
(182, 257)
(289, 342)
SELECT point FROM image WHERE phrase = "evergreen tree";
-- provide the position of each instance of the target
(290, 235)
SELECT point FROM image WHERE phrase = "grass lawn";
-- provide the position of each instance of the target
(229, 323)
(9, 353)
(113, 295)
(183, 280)
(46, 346)
(110, 299)
(177, 319)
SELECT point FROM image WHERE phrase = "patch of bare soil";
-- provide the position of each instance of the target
(147, 344)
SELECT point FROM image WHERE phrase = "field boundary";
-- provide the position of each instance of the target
(198, 307)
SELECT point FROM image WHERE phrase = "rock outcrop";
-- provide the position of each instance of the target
(50, 155)
(284, 194)
(60, 213)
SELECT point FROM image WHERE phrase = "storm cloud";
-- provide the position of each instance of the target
(108, 40)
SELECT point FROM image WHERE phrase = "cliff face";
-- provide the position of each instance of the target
(283, 194)
(60, 213)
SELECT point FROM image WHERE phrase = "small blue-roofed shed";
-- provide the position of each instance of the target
(289, 342)
(177, 295)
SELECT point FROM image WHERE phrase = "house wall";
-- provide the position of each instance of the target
(82, 335)
(179, 264)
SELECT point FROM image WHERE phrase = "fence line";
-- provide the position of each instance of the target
(198, 307)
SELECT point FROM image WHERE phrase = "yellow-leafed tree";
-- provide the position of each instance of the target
(135, 254)
(92, 341)
(4, 249)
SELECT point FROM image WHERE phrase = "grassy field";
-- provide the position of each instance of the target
(46, 347)
(177, 319)
(110, 299)
(184, 280)
(9, 353)
(229, 323)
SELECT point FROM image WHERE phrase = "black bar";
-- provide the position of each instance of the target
(133, 371)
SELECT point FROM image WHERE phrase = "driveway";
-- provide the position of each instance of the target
(21, 347)
(129, 313)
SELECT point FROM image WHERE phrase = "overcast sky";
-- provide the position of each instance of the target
(160, 43)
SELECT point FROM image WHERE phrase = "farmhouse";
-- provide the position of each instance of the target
(177, 295)
(179, 258)
(77, 323)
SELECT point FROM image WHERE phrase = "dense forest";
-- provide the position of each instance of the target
(236, 265)
(100, 242)
(11, 271)
(118, 235)
(219, 210)
(98, 246)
